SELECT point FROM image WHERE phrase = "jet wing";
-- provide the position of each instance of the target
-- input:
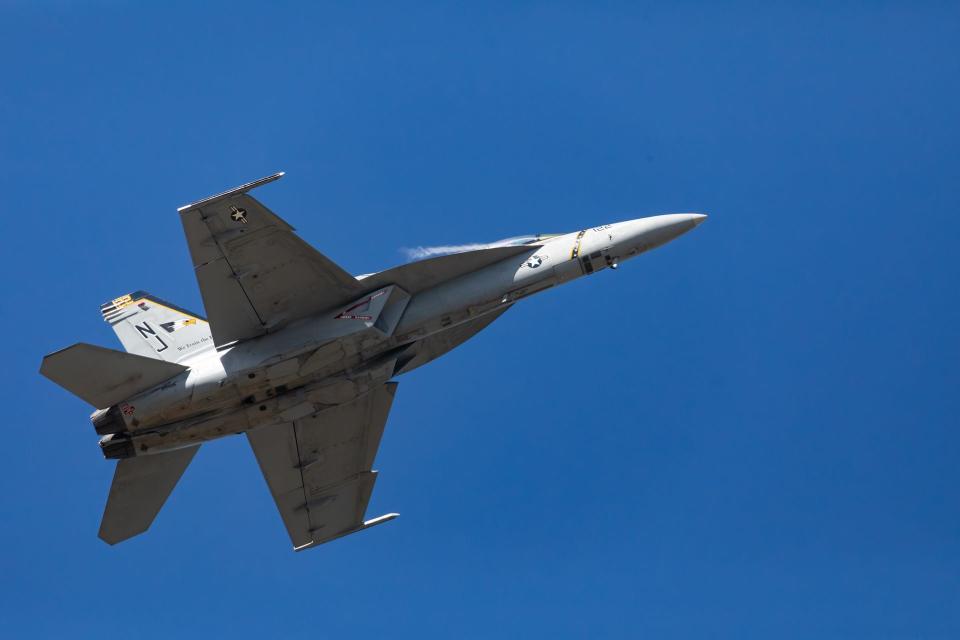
(318, 468)
(255, 274)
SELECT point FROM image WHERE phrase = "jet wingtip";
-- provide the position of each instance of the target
(232, 192)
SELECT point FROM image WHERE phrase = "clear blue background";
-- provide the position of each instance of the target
(751, 432)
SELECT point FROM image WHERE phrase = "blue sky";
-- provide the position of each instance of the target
(751, 432)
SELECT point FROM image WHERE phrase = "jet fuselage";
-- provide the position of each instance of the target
(334, 357)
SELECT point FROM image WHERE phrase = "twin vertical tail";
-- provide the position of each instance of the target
(151, 327)
(157, 336)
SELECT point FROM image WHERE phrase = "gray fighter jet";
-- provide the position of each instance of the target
(299, 355)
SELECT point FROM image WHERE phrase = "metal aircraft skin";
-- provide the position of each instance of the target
(299, 355)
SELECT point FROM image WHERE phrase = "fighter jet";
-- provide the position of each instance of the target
(299, 355)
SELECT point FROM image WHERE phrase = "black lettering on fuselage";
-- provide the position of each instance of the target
(147, 332)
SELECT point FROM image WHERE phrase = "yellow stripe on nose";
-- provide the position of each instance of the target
(576, 247)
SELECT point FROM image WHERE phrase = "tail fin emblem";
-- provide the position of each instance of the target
(238, 214)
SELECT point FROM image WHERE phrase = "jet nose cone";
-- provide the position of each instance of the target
(655, 231)
(672, 225)
(681, 221)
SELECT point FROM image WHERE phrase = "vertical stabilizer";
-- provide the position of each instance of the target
(151, 327)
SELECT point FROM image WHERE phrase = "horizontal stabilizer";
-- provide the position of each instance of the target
(140, 487)
(103, 377)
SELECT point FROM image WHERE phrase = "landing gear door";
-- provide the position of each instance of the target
(594, 253)
(589, 252)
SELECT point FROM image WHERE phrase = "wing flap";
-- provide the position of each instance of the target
(275, 448)
(104, 377)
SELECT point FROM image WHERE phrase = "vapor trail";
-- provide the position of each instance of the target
(416, 253)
